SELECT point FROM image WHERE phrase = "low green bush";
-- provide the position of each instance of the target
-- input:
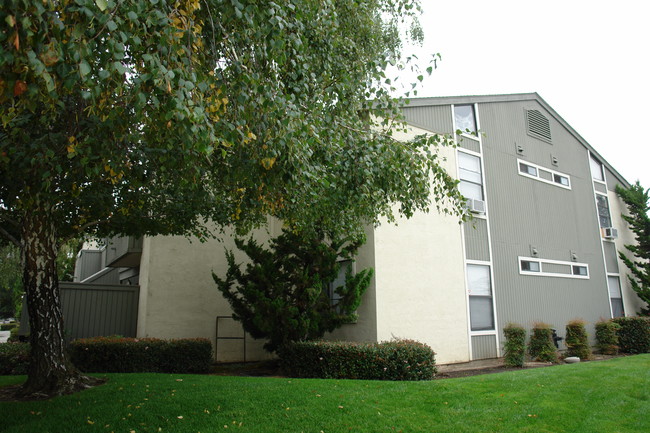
(577, 340)
(634, 334)
(8, 326)
(515, 345)
(540, 346)
(607, 337)
(390, 360)
(14, 358)
(139, 355)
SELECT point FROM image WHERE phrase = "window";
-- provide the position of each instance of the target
(580, 270)
(529, 266)
(528, 169)
(615, 297)
(596, 169)
(479, 289)
(465, 119)
(603, 211)
(346, 265)
(542, 174)
(552, 268)
(562, 180)
(471, 179)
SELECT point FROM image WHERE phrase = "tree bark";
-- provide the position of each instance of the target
(50, 371)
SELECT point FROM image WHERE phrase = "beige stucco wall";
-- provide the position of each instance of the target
(179, 298)
(420, 280)
(631, 302)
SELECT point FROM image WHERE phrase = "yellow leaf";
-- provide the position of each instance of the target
(267, 163)
(90, 422)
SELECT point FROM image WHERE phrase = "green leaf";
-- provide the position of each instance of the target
(101, 4)
(84, 68)
(132, 16)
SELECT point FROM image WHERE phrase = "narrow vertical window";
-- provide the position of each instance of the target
(465, 119)
(479, 289)
(596, 169)
(603, 211)
(471, 180)
(615, 297)
(346, 265)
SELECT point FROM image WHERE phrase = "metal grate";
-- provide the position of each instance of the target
(538, 125)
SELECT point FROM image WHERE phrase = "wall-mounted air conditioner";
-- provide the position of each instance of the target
(609, 232)
(476, 206)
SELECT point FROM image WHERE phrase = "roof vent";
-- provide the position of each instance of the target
(538, 125)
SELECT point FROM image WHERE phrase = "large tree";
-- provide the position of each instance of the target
(637, 200)
(170, 117)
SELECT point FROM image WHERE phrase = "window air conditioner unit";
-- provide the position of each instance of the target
(476, 206)
(610, 233)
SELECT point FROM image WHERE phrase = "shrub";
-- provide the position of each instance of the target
(8, 326)
(607, 337)
(576, 340)
(515, 345)
(14, 358)
(391, 360)
(634, 334)
(541, 347)
(133, 355)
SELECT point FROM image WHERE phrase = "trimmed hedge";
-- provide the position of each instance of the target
(577, 341)
(607, 337)
(634, 334)
(541, 347)
(515, 345)
(390, 360)
(140, 355)
(14, 358)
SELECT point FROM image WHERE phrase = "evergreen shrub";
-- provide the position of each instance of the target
(8, 326)
(14, 358)
(139, 355)
(515, 345)
(390, 360)
(540, 346)
(607, 337)
(577, 340)
(634, 334)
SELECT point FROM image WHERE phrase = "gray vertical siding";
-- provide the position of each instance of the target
(96, 310)
(476, 240)
(469, 144)
(433, 118)
(526, 212)
(484, 346)
(88, 263)
(611, 257)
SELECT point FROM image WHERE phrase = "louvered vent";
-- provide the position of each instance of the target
(538, 125)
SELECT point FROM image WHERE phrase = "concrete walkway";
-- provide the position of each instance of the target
(4, 336)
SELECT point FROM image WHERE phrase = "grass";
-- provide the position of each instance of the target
(606, 396)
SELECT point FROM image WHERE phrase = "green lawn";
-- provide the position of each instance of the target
(606, 396)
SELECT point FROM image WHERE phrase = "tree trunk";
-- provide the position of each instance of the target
(50, 371)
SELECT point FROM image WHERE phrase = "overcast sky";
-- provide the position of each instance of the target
(588, 60)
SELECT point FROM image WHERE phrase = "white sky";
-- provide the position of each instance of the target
(588, 59)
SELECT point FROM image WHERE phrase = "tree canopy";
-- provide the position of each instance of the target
(173, 116)
(637, 200)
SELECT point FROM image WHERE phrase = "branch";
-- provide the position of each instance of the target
(9, 237)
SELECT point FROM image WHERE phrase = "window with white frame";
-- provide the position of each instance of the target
(552, 268)
(465, 119)
(479, 289)
(543, 174)
(615, 296)
(471, 178)
(597, 172)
